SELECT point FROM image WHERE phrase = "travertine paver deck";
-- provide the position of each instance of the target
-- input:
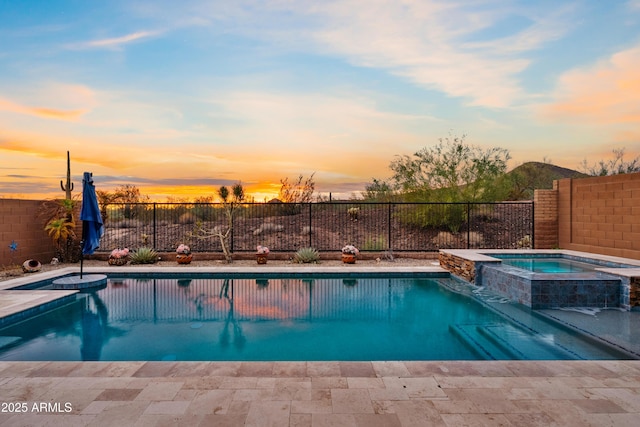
(447, 393)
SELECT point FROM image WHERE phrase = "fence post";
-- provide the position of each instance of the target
(468, 225)
(155, 228)
(389, 245)
(310, 229)
(533, 225)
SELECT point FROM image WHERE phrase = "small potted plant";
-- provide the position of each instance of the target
(349, 254)
(119, 256)
(184, 255)
(261, 254)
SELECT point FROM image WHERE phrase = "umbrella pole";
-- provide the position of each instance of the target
(82, 250)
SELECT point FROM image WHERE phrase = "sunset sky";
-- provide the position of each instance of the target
(179, 97)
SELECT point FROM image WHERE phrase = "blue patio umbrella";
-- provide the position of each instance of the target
(92, 226)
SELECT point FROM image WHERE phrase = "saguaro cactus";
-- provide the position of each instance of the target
(68, 188)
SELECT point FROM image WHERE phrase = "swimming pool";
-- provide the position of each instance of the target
(290, 319)
(548, 265)
(557, 264)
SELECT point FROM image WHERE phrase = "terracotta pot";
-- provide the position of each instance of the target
(184, 259)
(349, 258)
(261, 258)
(118, 261)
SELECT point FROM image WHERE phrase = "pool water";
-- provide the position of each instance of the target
(549, 265)
(265, 319)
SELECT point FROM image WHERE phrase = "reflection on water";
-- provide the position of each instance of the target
(255, 319)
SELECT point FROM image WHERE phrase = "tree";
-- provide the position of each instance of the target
(127, 194)
(230, 201)
(378, 190)
(450, 171)
(297, 193)
(615, 166)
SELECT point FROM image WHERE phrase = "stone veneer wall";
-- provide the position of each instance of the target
(634, 292)
(459, 266)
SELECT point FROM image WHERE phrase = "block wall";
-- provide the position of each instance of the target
(600, 215)
(545, 219)
(19, 223)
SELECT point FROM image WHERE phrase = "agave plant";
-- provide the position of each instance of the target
(144, 255)
(306, 255)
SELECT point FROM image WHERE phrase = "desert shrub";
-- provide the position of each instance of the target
(449, 215)
(295, 195)
(353, 213)
(375, 244)
(475, 238)
(524, 243)
(306, 256)
(444, 239)
(187, 218)
(144, 255)
(203, 210)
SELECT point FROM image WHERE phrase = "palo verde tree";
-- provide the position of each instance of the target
(231, 200)
(450, 171)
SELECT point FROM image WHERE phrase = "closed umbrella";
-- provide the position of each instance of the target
(92, 226)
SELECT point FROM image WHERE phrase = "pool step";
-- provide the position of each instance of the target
(506, 342)
(479, 344)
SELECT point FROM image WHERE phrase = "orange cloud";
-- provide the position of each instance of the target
(606, 93)
(47, 113)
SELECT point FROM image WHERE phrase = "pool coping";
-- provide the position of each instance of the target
(241, 270)
(484, 255)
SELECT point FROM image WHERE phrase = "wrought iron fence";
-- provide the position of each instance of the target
(287, 227)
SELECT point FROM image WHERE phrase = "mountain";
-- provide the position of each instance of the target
(536, 175)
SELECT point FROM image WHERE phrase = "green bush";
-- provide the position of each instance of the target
(144, 255)
(375, 244)
(306, 256)
(446, 215)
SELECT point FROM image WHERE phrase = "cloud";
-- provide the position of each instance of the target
(604, 93)
(458, 48)
(115, 42)
(42, 112)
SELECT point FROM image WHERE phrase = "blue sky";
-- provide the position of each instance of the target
(180, 97)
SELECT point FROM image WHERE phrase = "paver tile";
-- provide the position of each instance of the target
(167, 407)
(351, 401)
(160, 391)
(268, 414)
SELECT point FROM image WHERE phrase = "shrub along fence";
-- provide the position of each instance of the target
(328, 226)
